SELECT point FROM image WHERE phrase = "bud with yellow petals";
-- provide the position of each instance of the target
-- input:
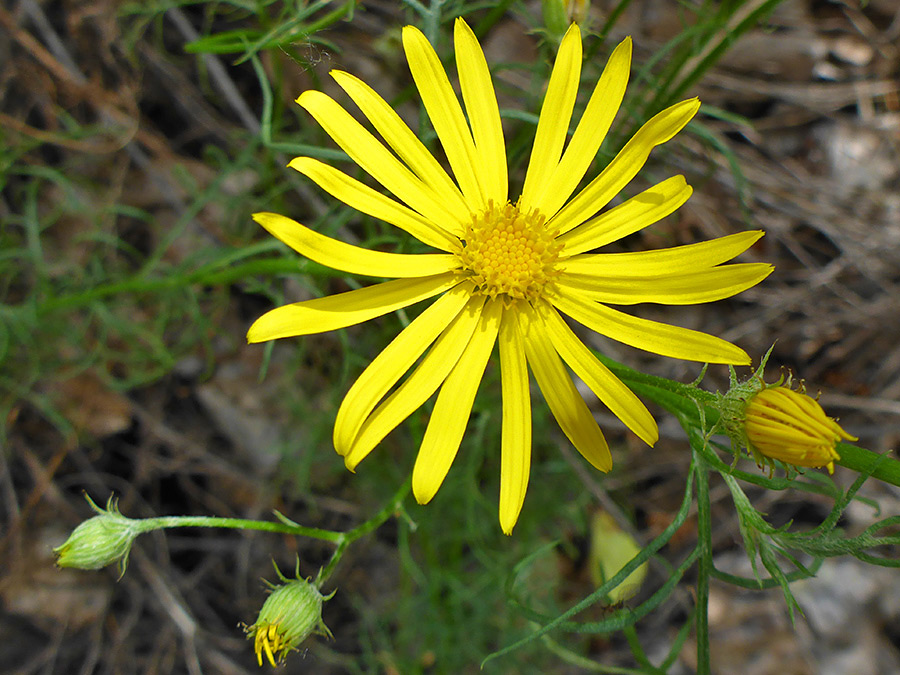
(791, 426)
(291, 613)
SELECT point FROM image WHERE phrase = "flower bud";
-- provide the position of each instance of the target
(555, 17)
(791, 427)
(611, 549)
(289, 615)
(100, 541)
(560, 14)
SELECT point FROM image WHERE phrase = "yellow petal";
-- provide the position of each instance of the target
(405, 143)
(553, 124)
(418, 387)
(563, 399)
(353, 259)
(590, 132)
(453, 407)
(795, 411)
(388, 367)
(446, 116)
(624, 166)
(659, 338)
(484, 115)
(795, 439)
(646, 208)
(346, 309)
(621, 401)
(704, 285)
(366, 200)
(375, 159)
(515, 457)
(662, 261)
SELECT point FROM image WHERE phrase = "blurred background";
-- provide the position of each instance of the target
(137, 138)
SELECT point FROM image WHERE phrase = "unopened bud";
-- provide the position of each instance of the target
(100, 541)
(555, 17)
(611, 549)
(289, 615)
(560, 14)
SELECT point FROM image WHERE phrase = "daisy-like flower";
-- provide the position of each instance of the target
(505, 270)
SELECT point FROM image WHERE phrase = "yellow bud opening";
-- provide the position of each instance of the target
(791, 427)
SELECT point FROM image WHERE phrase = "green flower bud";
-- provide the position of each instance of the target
(100, 541)
(555, 18)
(560, 14)
(291, 613)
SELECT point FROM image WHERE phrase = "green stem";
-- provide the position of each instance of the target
(331, 18)
(704, 563)
(886, 468)
(347, 538)
(683, 400)
(286, 526)
(584, 663)
(148, 524)
(611, 19)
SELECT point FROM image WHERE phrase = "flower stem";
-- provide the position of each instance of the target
(148, 524)
(886, 468)
(286, 526)
(347, 538)
(704, 563)
(688, 400)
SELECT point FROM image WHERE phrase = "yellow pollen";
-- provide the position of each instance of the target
(507, 252)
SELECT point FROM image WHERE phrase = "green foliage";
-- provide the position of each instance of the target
(777, 548)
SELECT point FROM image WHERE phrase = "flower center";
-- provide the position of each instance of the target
(507, 252)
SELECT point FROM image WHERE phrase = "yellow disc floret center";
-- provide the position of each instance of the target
(508, 252)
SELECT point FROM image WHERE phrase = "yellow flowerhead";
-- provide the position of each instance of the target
(505, 270)
(791, 427)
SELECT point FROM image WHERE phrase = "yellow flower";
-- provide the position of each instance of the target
(791, 427)
(505, 269)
